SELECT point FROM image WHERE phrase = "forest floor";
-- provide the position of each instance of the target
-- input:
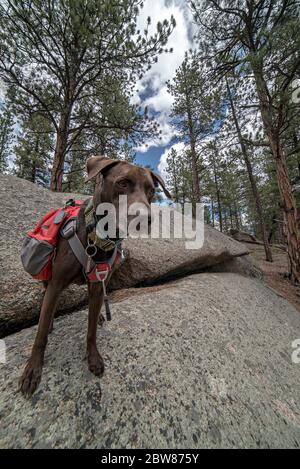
(274, 272)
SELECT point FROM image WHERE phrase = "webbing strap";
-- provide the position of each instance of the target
(93, 271)
(78, 250)
(68, 232)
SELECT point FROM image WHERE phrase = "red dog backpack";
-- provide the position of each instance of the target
(38, 250)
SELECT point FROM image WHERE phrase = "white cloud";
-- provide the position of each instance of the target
(163, 159)
(167, 133)
(155, 79)
(161, 101)
(165, 68)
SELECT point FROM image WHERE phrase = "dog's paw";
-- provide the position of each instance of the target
(96, 363)
(30, 379)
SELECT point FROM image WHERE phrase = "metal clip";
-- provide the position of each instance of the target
(91, 249)
(123, 257)
(106, 302)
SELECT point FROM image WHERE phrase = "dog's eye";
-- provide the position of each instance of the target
(151, 192)
(123, 183)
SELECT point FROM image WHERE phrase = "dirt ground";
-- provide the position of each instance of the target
(274, 272)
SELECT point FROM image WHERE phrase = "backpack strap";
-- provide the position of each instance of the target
(93, 271)
(68, 232)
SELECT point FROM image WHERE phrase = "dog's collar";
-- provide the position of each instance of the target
(94, 236)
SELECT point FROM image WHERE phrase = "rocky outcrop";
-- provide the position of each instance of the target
(244, 237)
(151, 261)
(204, 361)
(147, 261)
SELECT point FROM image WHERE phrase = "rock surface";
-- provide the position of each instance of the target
(148, 261)
(244, 237)
(22, 205)
(244, 265)
(202, 362)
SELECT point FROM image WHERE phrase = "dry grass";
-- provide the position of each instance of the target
(274, 272)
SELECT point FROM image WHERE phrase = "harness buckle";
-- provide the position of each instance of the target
(102, 274)
(69, 229)
(70, 203)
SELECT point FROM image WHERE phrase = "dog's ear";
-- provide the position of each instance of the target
(97, 164)
(158, 180)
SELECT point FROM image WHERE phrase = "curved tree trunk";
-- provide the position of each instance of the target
(285, 189)
(255, 192)
(290, 211)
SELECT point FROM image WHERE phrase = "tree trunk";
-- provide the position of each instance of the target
(176, 191)
(290, 212)
(33, 172)
(284, 185)
(195, 175)
(34, 166)
(217, 191)
(60, 151)
(225, 224)
(254, 188)
(236, 216)
(273, 228)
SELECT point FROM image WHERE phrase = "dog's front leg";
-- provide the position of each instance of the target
(32, 373)
(95, 361)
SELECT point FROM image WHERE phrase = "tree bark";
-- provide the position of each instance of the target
(284, 185)
(193, 152)
(236, 216)
(217, 191)
(176, 192)
(195, 175)
(60, 150)
(63, 132)
(254, 188)
(290, 211)
(212, 213)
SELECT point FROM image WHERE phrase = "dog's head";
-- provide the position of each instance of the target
(114, 178)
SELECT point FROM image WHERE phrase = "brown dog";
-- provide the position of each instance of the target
(113, 178)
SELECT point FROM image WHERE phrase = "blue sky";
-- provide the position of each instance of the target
(152, 89)
(151, 157)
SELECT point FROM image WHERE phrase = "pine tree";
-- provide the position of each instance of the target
(6, 137)
(192, 113)
(74, 47)
(252, 178)
(179, 177)
(33, 150)
(260, 37)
